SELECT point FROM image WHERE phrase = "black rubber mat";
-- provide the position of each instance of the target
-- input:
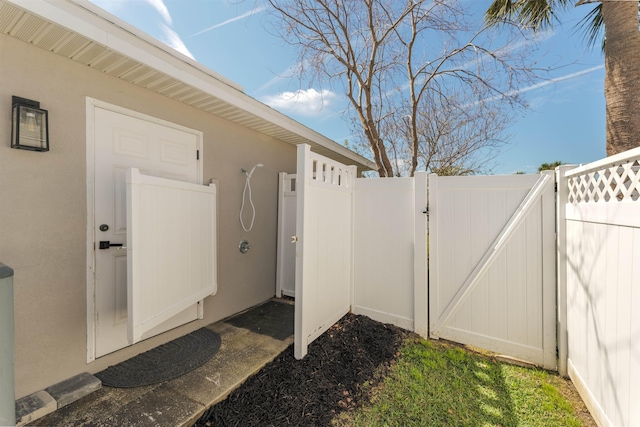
(165, 362)
(272, 318)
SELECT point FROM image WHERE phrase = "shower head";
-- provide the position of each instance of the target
(259, 165)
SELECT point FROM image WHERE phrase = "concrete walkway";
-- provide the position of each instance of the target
(180, 402)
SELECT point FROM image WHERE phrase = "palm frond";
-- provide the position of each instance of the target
(592, 26)
(499, 11)
(536, 14)
(533, 14)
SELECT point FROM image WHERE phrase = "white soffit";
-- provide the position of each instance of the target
(82, 32)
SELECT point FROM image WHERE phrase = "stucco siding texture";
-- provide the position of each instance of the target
(43, 211)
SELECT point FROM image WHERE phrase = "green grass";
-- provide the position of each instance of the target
(435, 384)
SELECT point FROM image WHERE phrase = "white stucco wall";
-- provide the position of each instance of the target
(43, 208)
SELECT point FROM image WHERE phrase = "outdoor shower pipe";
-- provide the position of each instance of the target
(247, 184)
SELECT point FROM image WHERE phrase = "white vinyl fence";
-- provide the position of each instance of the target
(324, 247)
(599, 284)
(384, 255)
(370, 261)
(362, 247)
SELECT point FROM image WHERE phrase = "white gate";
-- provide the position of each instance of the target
(492, 264)
(171, 249)
(286, 258)
(323, 251)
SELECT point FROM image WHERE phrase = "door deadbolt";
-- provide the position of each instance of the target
(103, 227)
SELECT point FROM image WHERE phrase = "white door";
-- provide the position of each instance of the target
(122, 140)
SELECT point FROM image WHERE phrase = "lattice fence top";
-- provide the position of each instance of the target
(331, 172)
(610, 183)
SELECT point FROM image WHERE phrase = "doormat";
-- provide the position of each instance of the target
(272, 318)
(165, 362)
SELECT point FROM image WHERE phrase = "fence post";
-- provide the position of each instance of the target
(562, 197)
(353, 170)
(549, 273)
(7, 385)
(420, 297)
(304, 173)
(432, 242)
(281, 237)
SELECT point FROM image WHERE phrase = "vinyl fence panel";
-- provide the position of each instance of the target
(601, 279)
(384, 250)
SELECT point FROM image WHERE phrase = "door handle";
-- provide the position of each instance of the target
(105, 244)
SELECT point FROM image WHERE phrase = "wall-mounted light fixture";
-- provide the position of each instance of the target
(30, 125)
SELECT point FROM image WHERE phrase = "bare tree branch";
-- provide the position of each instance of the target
(415, 73)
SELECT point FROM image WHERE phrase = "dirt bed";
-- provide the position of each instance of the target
(353, 355)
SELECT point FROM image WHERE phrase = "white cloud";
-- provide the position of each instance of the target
(161, 8)
(229, 21)
(172, 39)
(306, 102)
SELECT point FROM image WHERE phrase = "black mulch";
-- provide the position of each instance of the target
(313, 391)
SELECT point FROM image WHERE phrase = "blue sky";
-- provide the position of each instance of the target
(566, 119)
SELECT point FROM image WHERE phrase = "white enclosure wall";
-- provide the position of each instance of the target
(384, 250)
(324, 247)
(602, 268)
(286, 267)
(492, 264)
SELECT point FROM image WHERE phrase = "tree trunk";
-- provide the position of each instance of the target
(622, 62)
(385, 170)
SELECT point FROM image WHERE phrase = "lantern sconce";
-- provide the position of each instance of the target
(30, 125)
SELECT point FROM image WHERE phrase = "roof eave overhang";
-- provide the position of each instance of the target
(81, 31)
